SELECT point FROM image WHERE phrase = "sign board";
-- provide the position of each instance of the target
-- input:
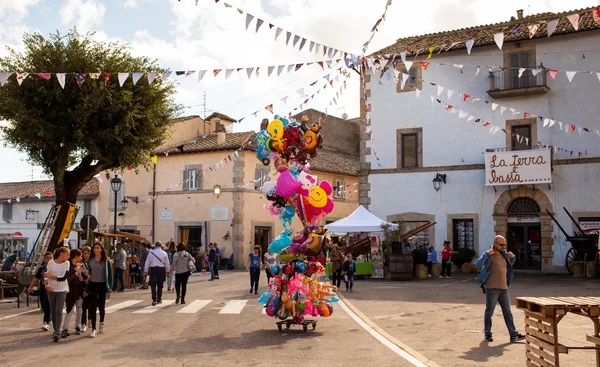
(519, 167)
(219, 213)
(590, 226)
(88, 222)
(524, 219)
(166, 214)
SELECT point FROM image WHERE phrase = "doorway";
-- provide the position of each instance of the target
(525, 241)
(262, 238)
(192, 238)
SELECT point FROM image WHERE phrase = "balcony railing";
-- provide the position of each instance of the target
(509, 84)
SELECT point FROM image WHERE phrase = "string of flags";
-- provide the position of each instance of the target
(548, 122)
(531, 27)
(377, 24)
(38, 195)
(289, 36)
(493, 129)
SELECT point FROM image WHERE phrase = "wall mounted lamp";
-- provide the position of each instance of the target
(437, 181)
(217, 190)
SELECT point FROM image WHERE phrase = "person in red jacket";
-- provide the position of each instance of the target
(446, 260)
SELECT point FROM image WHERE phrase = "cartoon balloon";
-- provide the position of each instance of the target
(269, 187)
(319, 196)
(308, 181)
(286, 215)
(280, 242)
(287, 185)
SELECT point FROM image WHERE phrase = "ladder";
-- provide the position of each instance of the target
(42, 242)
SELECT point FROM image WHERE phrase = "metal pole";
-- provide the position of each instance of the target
(153, 201)
(115, 221)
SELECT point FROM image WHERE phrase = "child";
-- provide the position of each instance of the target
(134, 269)
(253, 265)
(42, 294)
(431, 259)
(349, 270)
(55, 282)
(75, 295)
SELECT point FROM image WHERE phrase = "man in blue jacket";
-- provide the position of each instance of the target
(496, 276)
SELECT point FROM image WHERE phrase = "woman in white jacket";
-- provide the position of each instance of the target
(182, 268)
(57, 286)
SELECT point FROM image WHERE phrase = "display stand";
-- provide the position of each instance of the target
(377, 257)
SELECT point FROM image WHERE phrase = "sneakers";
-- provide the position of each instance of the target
(159, 302)
(177, 300)
(250, 290)
(64, 334)
(256, 293)
(56, 337)
(101, 330)
(45, 326)
(77, 331)
(93, 334)
(211, 279)
(351, 290)
(517, 338)
(182, 301)
(441, 277)
(84, 328)
(153, 303)
(428, 275)
(488, 338)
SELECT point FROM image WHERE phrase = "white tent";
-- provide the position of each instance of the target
(361, 220)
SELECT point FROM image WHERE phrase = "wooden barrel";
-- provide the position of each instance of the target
(401, 267)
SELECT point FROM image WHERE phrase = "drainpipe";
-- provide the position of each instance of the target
(153, 201)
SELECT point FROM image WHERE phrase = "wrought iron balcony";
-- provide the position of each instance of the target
(509, 84)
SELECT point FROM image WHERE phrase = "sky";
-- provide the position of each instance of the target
(181, 35)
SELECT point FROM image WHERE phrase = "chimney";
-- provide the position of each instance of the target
(221, 138)
(520, 14)
(264, 124)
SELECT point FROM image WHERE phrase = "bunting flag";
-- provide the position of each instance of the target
(122, 78)
(552, 26)
(80, 78)
(269, 108)
(574, 20)
(533, 29)
(571, 75)
(61, 77)
(228, 73)
(136, 77)
(499, 39)
(249, 18)
(259, 22)
(21, 77)
(46, 76)
(469, 44)
(4, 77)
(201, 74)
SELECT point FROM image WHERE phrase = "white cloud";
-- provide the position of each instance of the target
(129, 3)
(87, 14)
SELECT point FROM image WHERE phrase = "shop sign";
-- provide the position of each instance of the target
(524, 219)
(520, 167)
(590, 226)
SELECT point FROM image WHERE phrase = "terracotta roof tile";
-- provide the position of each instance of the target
(27, 190)
(184, 118)
(209, 143)
(333, 161)
(220, 115)
(514, 30)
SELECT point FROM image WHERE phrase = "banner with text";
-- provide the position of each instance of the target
(519, 167)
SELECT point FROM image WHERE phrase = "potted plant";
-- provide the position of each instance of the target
(463, 255)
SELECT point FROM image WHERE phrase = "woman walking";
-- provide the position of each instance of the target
(75, 295)
(57, 286)
(85, 302)
(337, 259)
(253, 265)
(270, 260)
(170, 253)
(212, 257)
(98, 287)
(181, 266)
(42, 293)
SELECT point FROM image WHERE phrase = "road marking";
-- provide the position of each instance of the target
(461, 281)
(195, 306)
(122, 305)
(152, 309)
(20, 313)
(264, 311)
(394, 347)
(234, 306)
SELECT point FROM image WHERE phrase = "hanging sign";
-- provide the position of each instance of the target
(519, 167)
(524, 219)
(590, 226)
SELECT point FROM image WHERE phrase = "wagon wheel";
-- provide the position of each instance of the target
(314, 326)
(305, 328)
(287, 326)
(571, 257)
(279, 327)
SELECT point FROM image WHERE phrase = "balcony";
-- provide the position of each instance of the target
(505, 84)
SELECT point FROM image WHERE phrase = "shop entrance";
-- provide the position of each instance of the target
(524, 240)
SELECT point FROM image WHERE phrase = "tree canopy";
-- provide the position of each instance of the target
(80, 130)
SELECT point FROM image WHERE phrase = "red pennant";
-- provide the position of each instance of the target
(573, 127)
(129, 168)
(324, 50)
(425, 65)
(331, 82)
(106, 78)
(553, 73)
(596, 15)
(216, 71)
(44, 75)
(525, 115)
(465, 97)
(321, 63)
(486, 124)
(48, 193)
(298, 66)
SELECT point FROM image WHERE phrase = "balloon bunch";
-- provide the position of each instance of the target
(294, 292)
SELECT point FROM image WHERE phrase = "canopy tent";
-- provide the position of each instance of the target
(361, 220)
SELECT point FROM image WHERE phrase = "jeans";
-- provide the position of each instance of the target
(216, 267)
(133, 279)
(254, 278)
(181, 281)
(97, 296)
(76, 310)
(119, 278)
(350, 281)
(446, 267)
(57, 302)
(170, 283)
(211, 267)
(45, 303)
(337, 277)
(493, 296)
(157, 280)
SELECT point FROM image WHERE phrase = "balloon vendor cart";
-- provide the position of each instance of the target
(295, 291)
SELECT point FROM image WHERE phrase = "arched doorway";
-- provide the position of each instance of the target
(520, 215)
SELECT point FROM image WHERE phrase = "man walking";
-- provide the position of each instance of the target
(120, 261)
(217, 260)
(157, 266)
(143, 258)
(496, 276)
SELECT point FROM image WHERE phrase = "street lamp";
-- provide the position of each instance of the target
(115, 185)
(125, 203)
(437, 181)
(217, 190)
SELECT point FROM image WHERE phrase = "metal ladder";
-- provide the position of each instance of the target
(42, 242)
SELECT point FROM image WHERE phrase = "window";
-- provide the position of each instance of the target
(262, 174)
(413, 79)
(522, 137)
(464, 233)
(120, 197)
(7, 212)
(415, 74)
(192, 178)
(517, 60)
(87, 206)
(339, 189)
(409, 147)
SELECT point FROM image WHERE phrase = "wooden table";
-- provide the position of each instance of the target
(542, 315)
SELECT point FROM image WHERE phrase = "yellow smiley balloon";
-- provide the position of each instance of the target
(318, 197)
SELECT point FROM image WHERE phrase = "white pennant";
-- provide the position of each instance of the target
(270, 70)
(296, 39)
(408, 65)
(122, 78)
(462, 114)
(137, 77)
(417, 92)
(201, 74)
(492, 127)
(521, 71)
(458, 66)
(546, 122)
(4, 77)
(516, 112)
(166, 74)
(278, 32)
(249, 18)
(259, 22)
(552, 26)
(496, 129)
(598, 76)
(535, 72)
(228, 73)
(450, 93)
(494, 106)
(403, 56)
(502, 109)
(471, 118)
(21, 77)
(513, 110)
(301, 92)
(249, 72)
(469, 44)
(440, 89)
(312, 44)
(499, 38)
(151, 76)
(477, 70)
(552, 122)
(404, 79)
(571, 74)
(284, 100)
(574, 19)
(290, 68)
(61, 79)
(280, 69)
(431, 100)
(560, 125)
(579, 129)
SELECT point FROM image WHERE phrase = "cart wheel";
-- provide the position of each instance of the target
(287, 326)
(305, 328)
(314, 326)
(570, 258)
(279, 327)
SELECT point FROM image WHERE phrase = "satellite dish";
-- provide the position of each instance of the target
(345, 116)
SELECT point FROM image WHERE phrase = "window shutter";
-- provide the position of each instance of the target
(185, 179)
(513, 63)
(525, 62)
(257, 176)
(4, 212)
(412, 80)
(199, 177)
(10, 211)
(87, 207)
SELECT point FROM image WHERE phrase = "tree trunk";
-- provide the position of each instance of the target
(66, 192)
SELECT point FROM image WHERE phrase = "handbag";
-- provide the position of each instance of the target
(191, 266)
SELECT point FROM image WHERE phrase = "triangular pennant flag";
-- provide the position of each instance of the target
(439, 90)
(152, 75)
(61, 79)
(471, 118)
(216, 72)
(578, 129)
(403, 56)
(425, 65)
(80, 78)
(502, 109)
(560, 124)
(329, 62)
(201, 74)
(462, 114)
(287, 37)
(317, 48)
(4, 77)
(450, 93)
(278, 32)
(190, 73)
(321, 63)
(270, 70)
(166, 74)
(296, 39)
(45, 75)
(552, 26)
(408, 65)
(301, 92)
(137, 77)
(249, 18)
(494, 106)
(249, 72)
(290, 68)
(21, 77)
(533, 29)
(259, 22)
(280, 69)
(302, 43)
(574, 19)
(552, 122)
(553, 73)
(269, 108)
(477, 70)
(417, 92)
(298, 66)
(228, 73)
(38, 195)
(122, 78)
(521, 71)
(499, 38)
(458, 66)
(535, 72)
(403, 81)
(432, 99)
(571, 75)
(546, 122)
(469, 44)
(284, 100)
